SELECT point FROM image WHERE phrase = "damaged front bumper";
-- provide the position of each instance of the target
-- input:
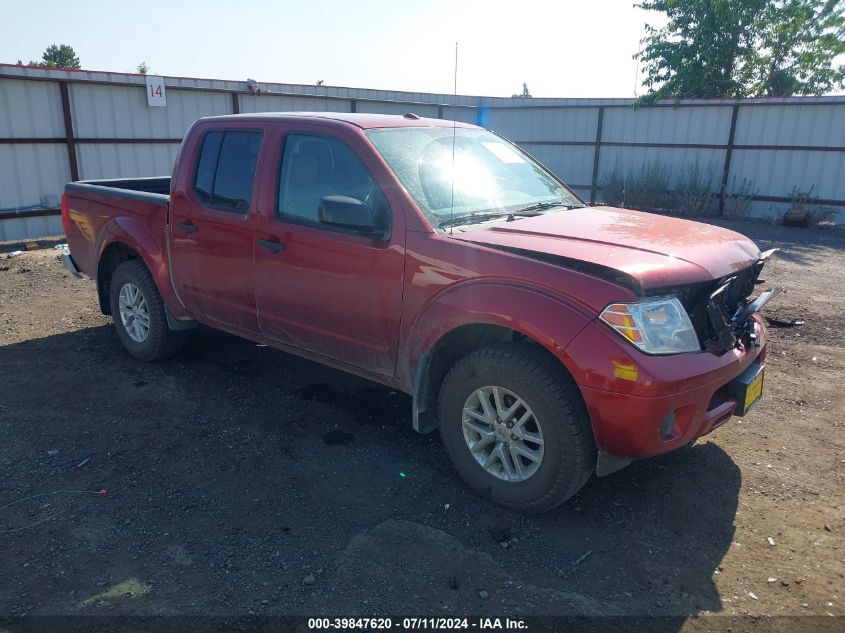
(673, 401)
(661, 403)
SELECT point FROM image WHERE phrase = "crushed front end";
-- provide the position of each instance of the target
(643, 404)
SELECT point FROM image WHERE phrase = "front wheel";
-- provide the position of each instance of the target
(516, 428)
(139, 316)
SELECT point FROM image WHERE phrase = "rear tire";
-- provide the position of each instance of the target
(537, 418)
(138, 314)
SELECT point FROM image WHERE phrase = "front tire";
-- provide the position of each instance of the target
(516, 428)
(138, 313)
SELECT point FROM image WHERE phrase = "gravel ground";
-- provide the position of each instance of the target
(244, 480)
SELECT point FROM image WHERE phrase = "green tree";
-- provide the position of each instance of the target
(739, 48)
(61, 56)
(799, 43)
(143, 68)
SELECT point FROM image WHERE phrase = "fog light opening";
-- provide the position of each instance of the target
(668, 430)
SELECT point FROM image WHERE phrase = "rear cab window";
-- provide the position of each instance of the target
(225, 169)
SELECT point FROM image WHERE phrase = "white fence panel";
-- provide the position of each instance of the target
(32, 175)
(821, 125)
(543, 124)
(122, 160)
(572, 163)
(122, 111)
(18, 229)
(30, 109)
(776, 173)
(272, 103)
(632, 160)
(466, 115)
(705, 125)
(385, 107)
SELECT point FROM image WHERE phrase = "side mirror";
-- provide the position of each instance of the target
(348, 213)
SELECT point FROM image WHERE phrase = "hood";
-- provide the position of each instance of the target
(637, 249)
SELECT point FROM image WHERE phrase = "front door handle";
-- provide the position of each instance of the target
(273, 245)
(188, 227)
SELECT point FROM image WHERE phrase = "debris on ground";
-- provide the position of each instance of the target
(132, 588)
(779, 323)
(582, 557)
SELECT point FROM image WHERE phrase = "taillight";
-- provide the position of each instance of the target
(65, 215)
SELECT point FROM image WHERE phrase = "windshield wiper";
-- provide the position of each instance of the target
(472, 218)
(539, 207)
(530, 210)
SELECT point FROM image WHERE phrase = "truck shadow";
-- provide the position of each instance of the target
(261, 468)
(663, 526)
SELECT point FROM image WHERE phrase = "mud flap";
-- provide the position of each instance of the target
(607, 464)
(424, 420)
(176, 324)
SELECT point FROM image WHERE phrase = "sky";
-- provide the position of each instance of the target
(560, 48)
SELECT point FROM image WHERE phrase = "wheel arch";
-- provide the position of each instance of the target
(124, 239)
(479, 313)
(458, 342)
(112, 256)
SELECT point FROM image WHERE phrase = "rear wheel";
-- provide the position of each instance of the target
(515, 427)
(139, 316)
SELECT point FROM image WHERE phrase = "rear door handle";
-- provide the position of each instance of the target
(188, 227)
(272, 245)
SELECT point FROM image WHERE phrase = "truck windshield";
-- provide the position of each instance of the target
(490, 175)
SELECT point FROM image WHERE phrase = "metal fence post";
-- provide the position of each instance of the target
(70, 141)
(596, 156)
(728, 155)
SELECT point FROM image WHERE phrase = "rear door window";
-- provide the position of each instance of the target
(207, 165)
(226, 170)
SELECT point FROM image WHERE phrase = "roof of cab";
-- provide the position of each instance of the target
(362, 120)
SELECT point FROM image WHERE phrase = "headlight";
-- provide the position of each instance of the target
(657, 325)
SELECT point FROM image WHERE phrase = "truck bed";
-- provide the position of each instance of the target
(95, 206)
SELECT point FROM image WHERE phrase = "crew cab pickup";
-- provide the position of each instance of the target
(544, 338)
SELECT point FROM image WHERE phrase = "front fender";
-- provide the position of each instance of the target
(549, 320)
(139, 238)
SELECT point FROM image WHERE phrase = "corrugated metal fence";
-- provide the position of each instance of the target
(58, 125)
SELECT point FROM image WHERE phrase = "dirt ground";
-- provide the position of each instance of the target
(244, 480)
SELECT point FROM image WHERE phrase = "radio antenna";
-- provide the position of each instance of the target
(454, 133)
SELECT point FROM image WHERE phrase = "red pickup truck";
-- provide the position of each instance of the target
(545, 339)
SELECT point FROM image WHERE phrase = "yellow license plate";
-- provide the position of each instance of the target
(755, 390)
